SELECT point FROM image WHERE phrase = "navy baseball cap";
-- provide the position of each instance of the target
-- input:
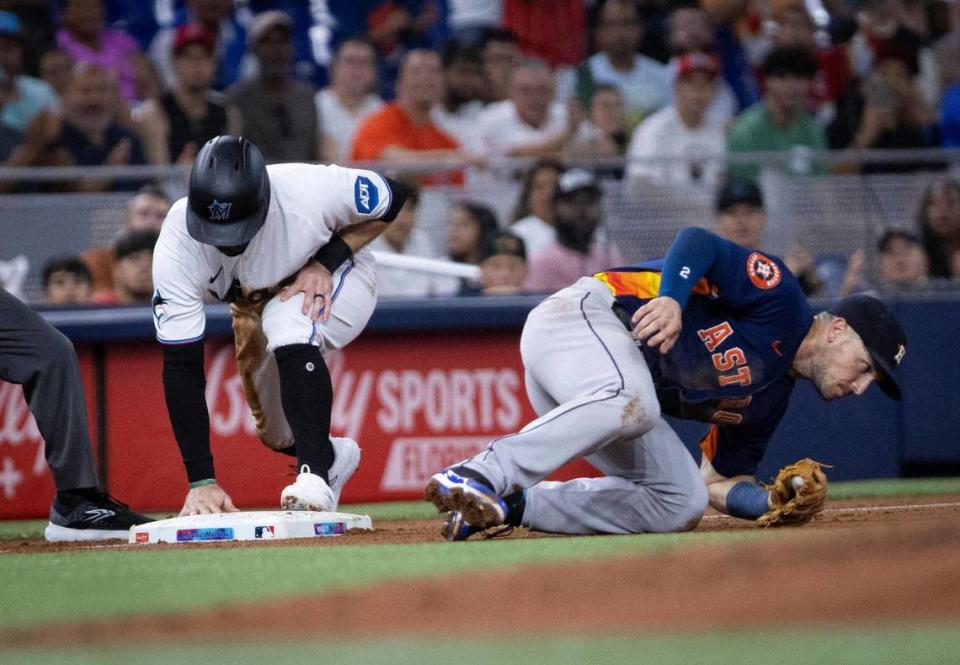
(881, 333)
(502, 243)
(739, 190)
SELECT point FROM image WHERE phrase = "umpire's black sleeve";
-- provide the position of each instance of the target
(184, 386)
(399, 192)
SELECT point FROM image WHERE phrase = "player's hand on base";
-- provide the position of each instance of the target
(316, 284)
(207, 499)
(657, 323)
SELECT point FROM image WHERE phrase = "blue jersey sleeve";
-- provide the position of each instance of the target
(743, 280)
(694, 253)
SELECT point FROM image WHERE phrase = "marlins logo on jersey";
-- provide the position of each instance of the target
(158, 306)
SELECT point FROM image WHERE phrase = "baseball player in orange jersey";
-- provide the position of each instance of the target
(286, 245)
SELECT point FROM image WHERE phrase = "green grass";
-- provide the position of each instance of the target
(110, 582)
(921, 645)
(39, 588)
(866, 489)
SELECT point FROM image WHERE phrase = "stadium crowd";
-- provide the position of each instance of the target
(648, 92)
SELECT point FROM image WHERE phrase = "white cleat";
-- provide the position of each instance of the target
(308, 492)
(345, 461)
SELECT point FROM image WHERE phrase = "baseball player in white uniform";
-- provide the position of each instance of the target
(286, 245)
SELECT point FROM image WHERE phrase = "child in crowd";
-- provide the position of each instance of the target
(66, 281)
(503, 266)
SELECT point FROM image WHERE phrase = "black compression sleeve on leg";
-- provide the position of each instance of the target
(306, 393)
(184, 386)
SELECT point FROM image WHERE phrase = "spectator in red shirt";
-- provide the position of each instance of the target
(176, 126)
(554, 31)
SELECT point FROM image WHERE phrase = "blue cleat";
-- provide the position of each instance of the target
(479, 506)
(455, 529)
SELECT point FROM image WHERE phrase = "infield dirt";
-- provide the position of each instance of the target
(859, 562)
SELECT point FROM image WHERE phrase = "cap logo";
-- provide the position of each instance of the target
(763, 272)
(219, 211)
(901, 352)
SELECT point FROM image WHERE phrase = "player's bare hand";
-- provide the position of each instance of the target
(44, 130)
(119, 154)
(207, 499)
(657, 324)
(316, 284)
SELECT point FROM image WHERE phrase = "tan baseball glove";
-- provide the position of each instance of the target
(797, 494)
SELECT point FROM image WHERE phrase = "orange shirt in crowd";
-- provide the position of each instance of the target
(105, 298)
(391, 126)
(100, 261)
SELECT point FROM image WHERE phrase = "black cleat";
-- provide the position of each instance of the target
(98, 518)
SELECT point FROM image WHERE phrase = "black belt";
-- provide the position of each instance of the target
(621, 313)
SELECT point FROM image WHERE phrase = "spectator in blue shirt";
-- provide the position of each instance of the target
(29, 95)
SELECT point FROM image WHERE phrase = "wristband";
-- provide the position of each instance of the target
(332, 255)
(747, 501)
(202, 483)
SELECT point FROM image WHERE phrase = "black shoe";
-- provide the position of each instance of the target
(99, 517)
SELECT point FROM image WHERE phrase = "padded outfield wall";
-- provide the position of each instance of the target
(427, 384)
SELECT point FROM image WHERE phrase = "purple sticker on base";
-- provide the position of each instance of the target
(202, 535)
(330, 528)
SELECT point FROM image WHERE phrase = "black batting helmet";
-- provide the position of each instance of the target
(229, 192)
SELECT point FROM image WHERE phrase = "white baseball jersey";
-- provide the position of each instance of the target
(308, 204)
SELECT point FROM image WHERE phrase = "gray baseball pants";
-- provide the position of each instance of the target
(40, 358)
(591, 388)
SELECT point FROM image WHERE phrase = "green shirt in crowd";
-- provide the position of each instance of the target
(755, 131)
